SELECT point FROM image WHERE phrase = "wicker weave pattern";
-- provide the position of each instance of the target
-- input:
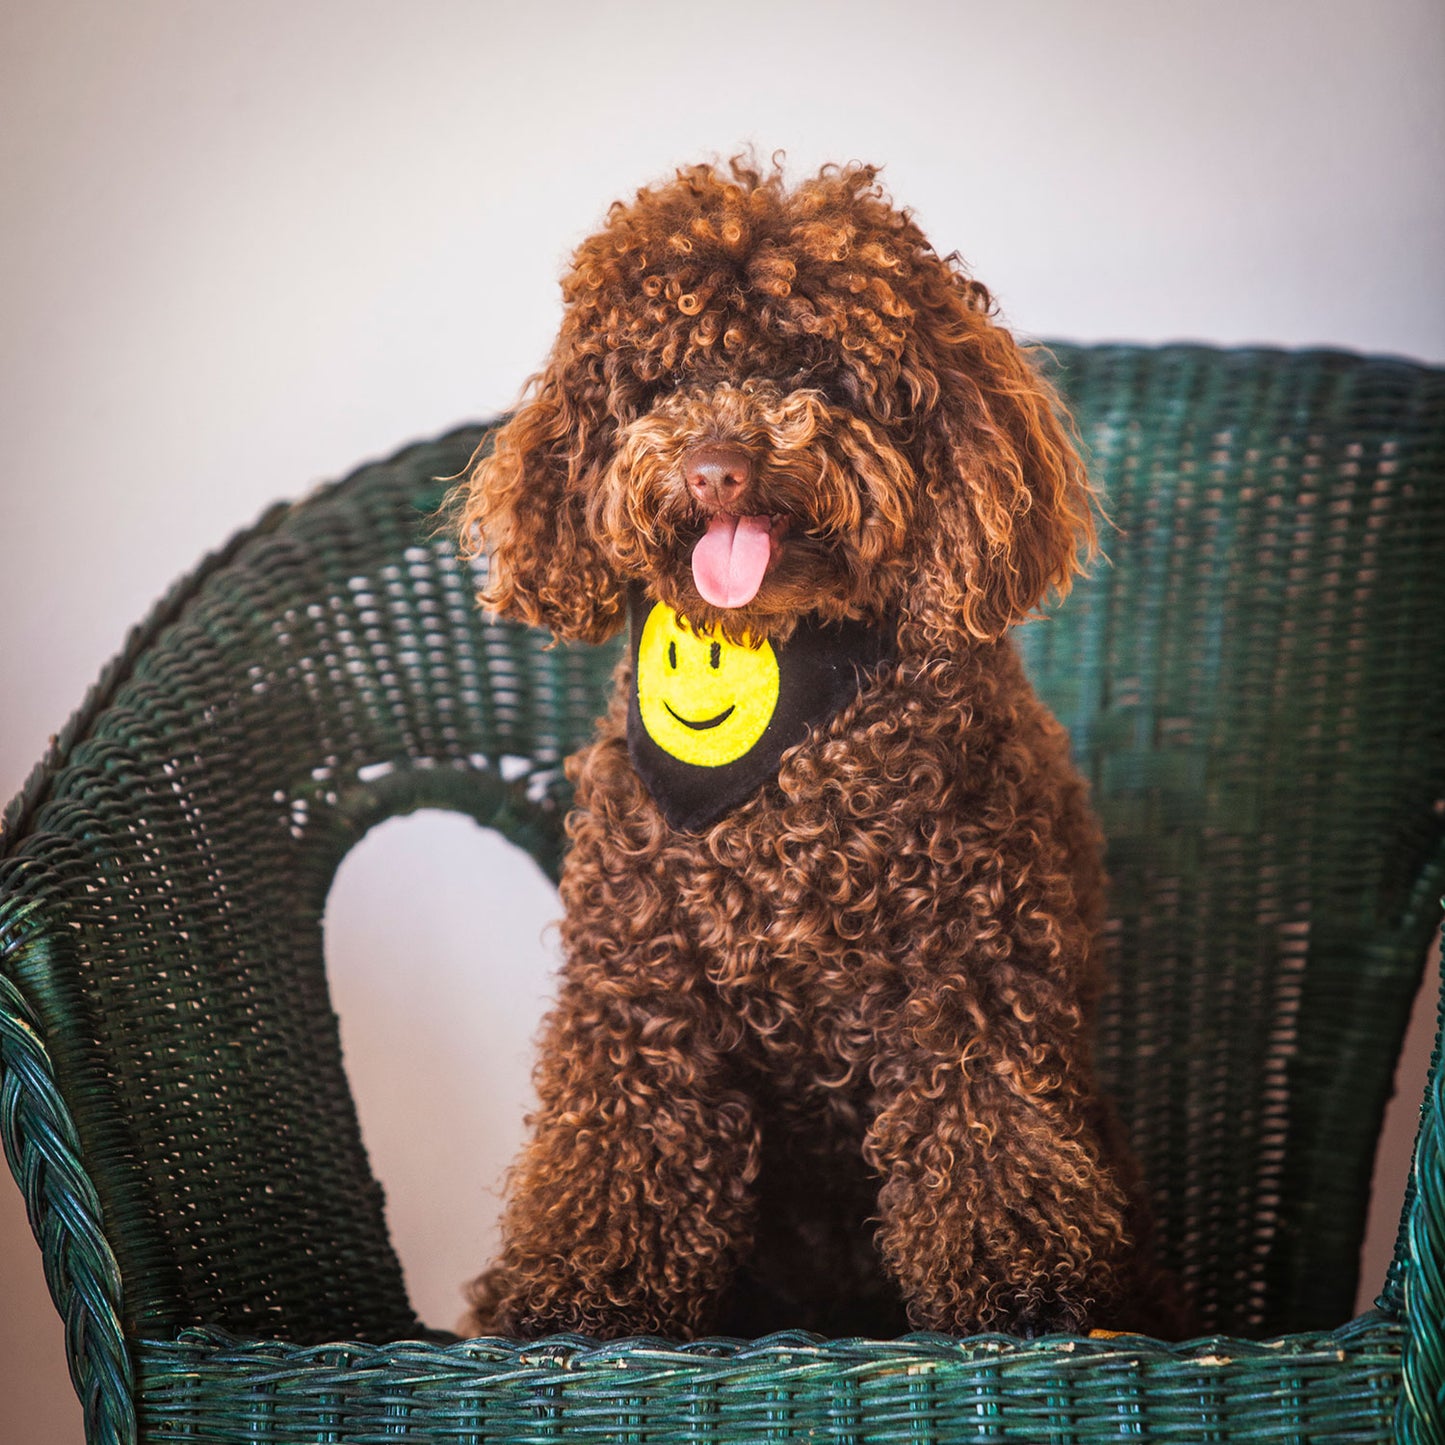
(924, 1390)
(327, 673)
(1255, 689)
(1421, 1263)
(43, 1149)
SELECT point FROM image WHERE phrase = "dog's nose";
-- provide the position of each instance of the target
(718, 474)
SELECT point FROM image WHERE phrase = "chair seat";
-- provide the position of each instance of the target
(791, 1387)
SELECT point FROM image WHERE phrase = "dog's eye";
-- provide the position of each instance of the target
(714, 655)
(836, 390)
(672, 655)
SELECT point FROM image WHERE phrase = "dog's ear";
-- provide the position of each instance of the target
(1008, 509)
(524, 505)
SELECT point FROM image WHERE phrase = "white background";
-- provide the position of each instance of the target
(243, 247)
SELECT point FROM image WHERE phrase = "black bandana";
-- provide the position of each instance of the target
(708, 721)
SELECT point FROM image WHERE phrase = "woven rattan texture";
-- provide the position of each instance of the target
(1256, 689)
(43, 1151)
(1421, 1265)
(164, 881)
(924, 1390)
(1254, 686)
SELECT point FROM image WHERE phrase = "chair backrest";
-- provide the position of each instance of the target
(164, 874)
(1255, 688)
(1253, 685)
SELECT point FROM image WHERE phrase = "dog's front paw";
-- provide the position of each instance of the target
(1055, 1318)
(505, 1302)
(1028, 1308)
(488, 1314)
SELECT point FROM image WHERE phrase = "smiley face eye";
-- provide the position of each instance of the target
(714, 655)
(672, 655)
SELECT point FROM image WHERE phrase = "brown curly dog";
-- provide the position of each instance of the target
(821, 1060)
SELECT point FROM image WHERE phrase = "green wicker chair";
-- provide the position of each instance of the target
(1255, 687)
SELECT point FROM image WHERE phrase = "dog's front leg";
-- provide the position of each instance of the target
(997, 1211)
(632, 1203)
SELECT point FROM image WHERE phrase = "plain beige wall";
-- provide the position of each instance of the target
(245, 246)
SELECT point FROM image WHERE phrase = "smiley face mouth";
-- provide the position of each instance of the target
(711, 722)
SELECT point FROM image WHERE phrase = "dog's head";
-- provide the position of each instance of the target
(765, 402)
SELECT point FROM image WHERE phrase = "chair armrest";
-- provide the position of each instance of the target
(164, 875)
(1422, 1410)
(43, 1150)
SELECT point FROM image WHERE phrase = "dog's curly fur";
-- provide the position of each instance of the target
(827, 1061)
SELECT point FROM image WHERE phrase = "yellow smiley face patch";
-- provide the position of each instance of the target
(703, 700)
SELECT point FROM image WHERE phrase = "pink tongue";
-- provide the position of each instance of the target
(730, 558)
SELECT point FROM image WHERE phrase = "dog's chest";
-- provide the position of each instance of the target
(806, 955)
(805, 905)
